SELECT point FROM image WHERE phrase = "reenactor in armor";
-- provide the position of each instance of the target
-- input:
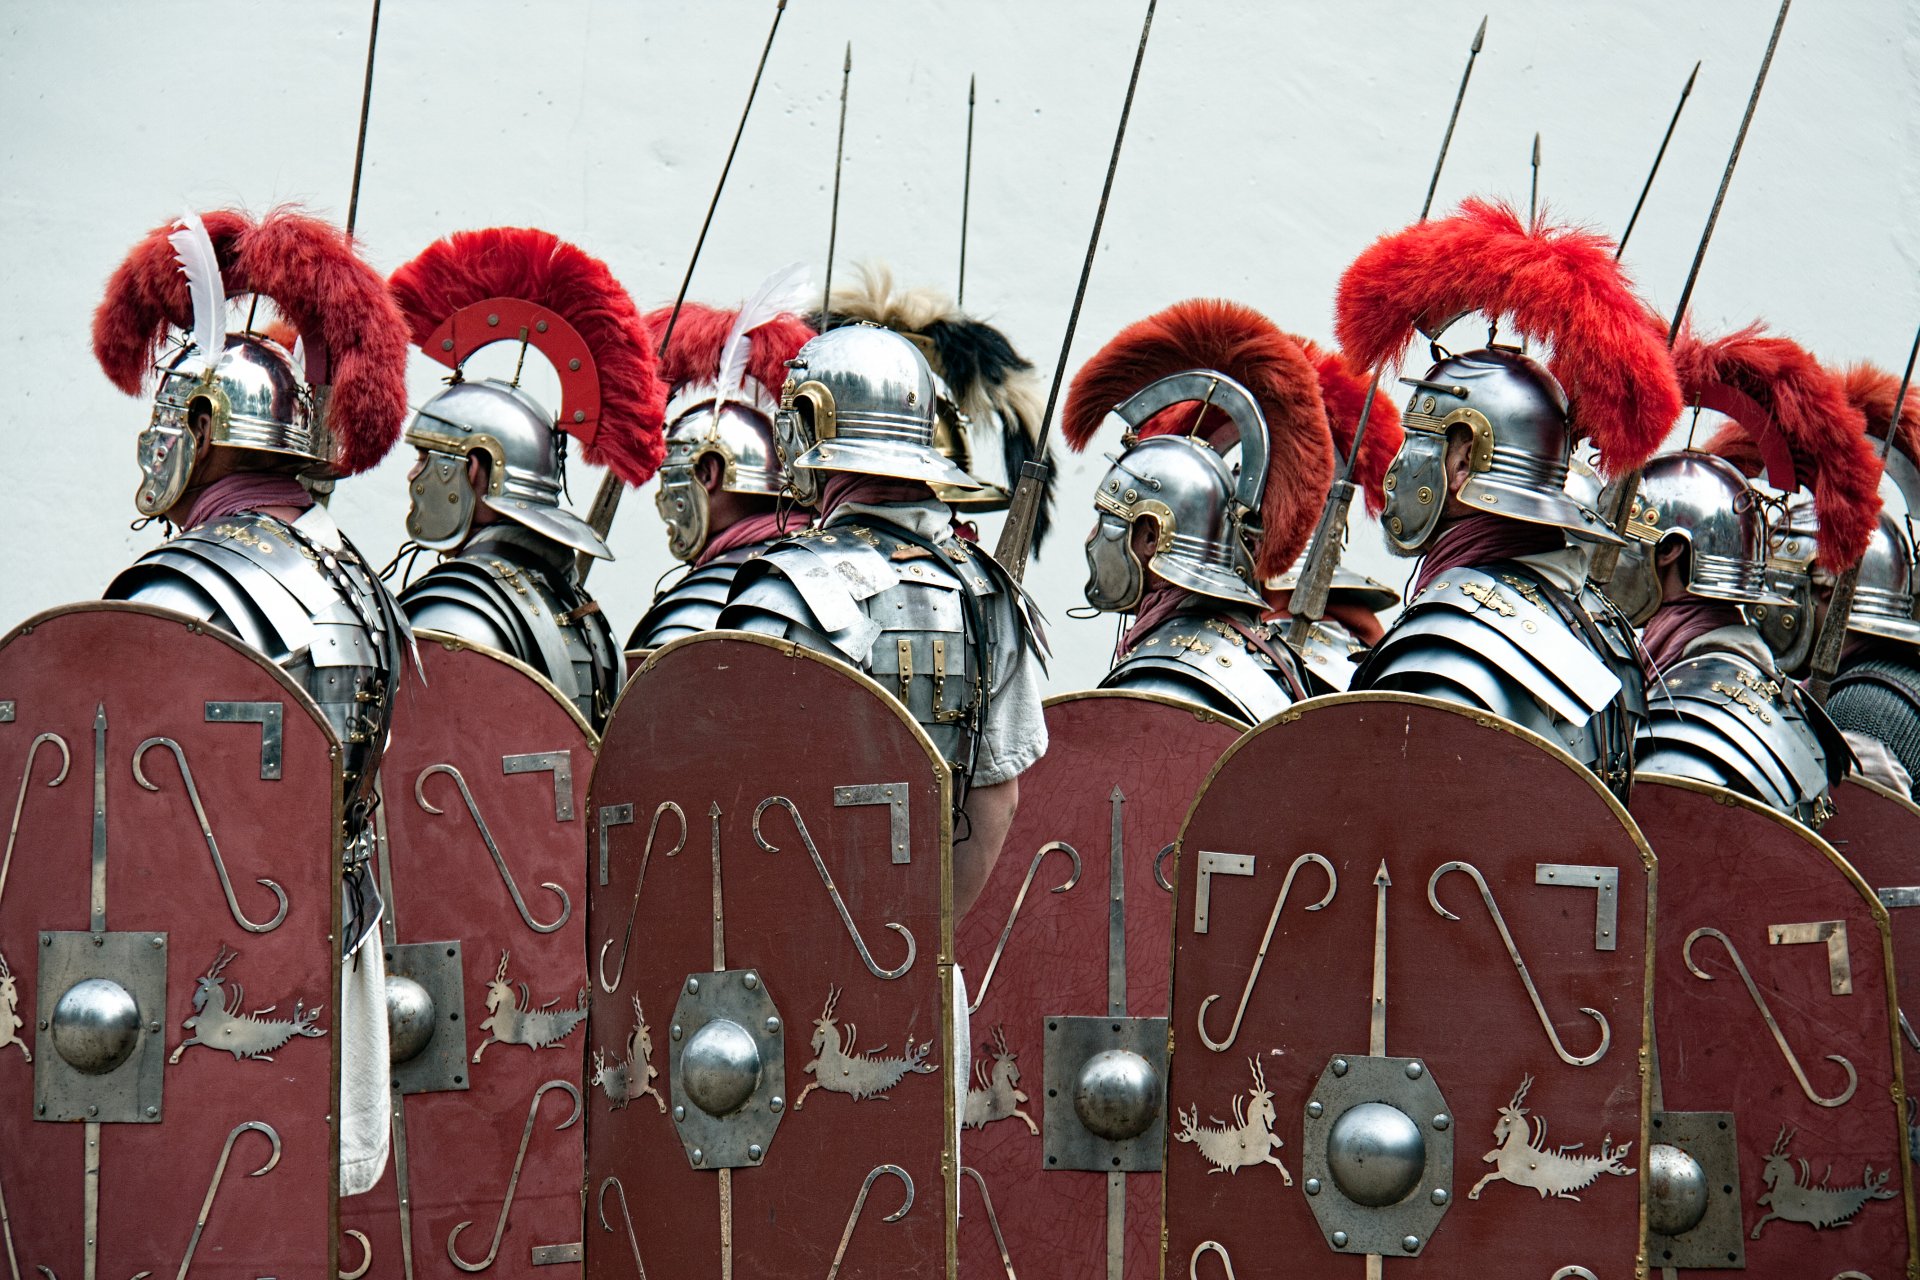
(240, 428)
(982, 384)
(1181, 542)
(883, 583)
(487, 489)
(1333, 647)
(1501, 617)
(1698, 550)
(721, 486)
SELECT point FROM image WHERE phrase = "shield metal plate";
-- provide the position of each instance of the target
(1056, 946)
(1410, 943)
(1774, 1003)
(1878, 831)
(168, 988)
(771, 943)
(484, 799)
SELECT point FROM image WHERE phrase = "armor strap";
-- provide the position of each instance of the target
(1617, 721)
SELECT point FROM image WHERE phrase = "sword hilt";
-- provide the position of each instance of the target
(1023, 514)
(1309, 602)
(1833, 636)
(600, 519)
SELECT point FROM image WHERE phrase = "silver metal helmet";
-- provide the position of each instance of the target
(257, 399)
(525, 453)
(738, 433)
(1883, 598)
(860, 398)
(1516, 415)
(1705, 500)
(1208, 516)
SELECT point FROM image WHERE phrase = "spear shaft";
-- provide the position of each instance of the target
(966, 199)
(1023, 512)
(366, 106)
(1658, 156)
(606, 502)
(839, 151)
(1308, 602)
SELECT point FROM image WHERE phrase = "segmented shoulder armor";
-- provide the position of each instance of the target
(512, 590)
(1212, 662)
(1329, 656)
(920, 619)
(1719, 717)
(692, 605)
(1879, 696)
(1501, 638)
(301, 595)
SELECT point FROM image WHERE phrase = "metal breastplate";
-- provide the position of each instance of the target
(1203, 660)
(692, 605)
(901, 613)
(1879, 696)
(1497, 638)
(313, 608)
(502, 592)
(1720, 718)
(1329, 657)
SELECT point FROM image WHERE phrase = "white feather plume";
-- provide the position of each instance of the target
(790, 289)
(193, 247)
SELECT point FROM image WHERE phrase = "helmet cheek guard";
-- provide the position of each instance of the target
(1115, 577)
(683, 506)
(442, 502)
(1416, 489)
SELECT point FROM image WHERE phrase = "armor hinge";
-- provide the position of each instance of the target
(904, 648)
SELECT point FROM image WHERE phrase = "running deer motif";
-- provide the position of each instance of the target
(218, 1023)
(632, 1077)
(10, 1011)
(837, 1068)
(1793, 1197)
(1246, 1143)
(1524, 1159)
(997, 1094)
(516, 1021)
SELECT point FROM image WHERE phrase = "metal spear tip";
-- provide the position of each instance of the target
(847, 66)
(1480, 36)
(1536, 150)
(1381, 877)
(970, 80)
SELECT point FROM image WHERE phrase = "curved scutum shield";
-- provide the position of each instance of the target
(1409, 944)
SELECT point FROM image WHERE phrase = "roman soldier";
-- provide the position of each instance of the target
(1875, 698)
(883, 583)
(487, 489)
(1181, 542)
(721, 486)
(1332, 648)
(1501, 617)
(241, 426)
(984, 388)
(1698, 553)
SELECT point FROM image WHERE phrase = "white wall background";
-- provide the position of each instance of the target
(1270, 142)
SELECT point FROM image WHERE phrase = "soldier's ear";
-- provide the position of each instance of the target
(710, 471)
(1459, 454)
(477, 466)
(1143, 537)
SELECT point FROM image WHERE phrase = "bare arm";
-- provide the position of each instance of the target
(989, 813)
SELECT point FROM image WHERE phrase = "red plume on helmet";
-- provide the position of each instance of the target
(332, 299)
(1226, 337)
(1343, 389)
(701, 333)
(1872, 391)
(1557, 286)
(1802, 426)
(475, 288)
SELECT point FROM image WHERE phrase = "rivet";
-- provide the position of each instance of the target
(152, 1112)
(676, 1031)
(1315, 1110)
(1313, 1186)
(776, 1104)
(699, 1156)
(754, 1152)
(1339, 1066)
(1443, 1121)
(693, 985)
(1425, 495)
(1415, 1071)
(446, 344)
(540, 326)
(493, 320)
(159, 941)
(151, 1026)
(573, 365)
(1439, 1195)
(773, 1024)
(751, 980)
(93, 1110)
(1339, 1239)
(1411, 1244)
(579, 415)
(680, 1113)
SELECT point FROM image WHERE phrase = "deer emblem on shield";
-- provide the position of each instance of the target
(632, 1077)
(837, 1068)
(512, 1020)
(996, 1093)
(1524, 1159)
(1248, 1142)
(1796, 1197)
(10, 1022)
(218, 1022)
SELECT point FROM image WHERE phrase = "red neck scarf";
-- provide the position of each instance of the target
(1678, 623)
(842, 487)
(245, 491)
(764, 526)
(1481, 539)
(1362, 623)
(1161, 601)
